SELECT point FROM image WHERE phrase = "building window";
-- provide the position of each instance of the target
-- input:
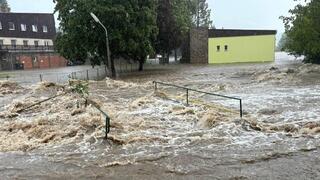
(226, 48)
(46, 43)
(13, 43)
(36, 43)
(1, 42)
(45, 29)
(25, 43)
(218, 48)
(0, 26)
(11, 26)
(23, 27)
(34, 28)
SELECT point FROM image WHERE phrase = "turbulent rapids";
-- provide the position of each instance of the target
(157, 132)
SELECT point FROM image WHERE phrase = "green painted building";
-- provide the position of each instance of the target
(217, 46)
(233, 46)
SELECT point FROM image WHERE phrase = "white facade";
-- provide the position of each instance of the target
(21, 41)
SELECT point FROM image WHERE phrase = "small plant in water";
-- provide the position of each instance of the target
(81, 88)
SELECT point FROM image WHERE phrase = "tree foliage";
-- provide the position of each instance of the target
(167, 22)
(4, 6)
(174, 20)
(303, 31)
(131, 26)
(202, 14)
(136, 27)
(282, 43)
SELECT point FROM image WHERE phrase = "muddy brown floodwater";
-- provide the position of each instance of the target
(156, 136)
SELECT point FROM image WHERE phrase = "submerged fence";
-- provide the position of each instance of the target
(156, 83)
(59, 76)
(95, 74)
(28, 78)
(107, 118)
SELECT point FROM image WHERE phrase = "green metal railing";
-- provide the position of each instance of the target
(198, 91)
(107, 120)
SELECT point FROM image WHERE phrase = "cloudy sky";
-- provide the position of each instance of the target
(240, 14)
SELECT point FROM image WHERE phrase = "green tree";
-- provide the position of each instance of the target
(131, 26)
(282, 42)
(303, 31)
(174, 20)
(4, 7)
(202, 14)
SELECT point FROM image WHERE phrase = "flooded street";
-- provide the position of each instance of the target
(155, 135)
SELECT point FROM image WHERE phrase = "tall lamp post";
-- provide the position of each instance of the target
(96, 19)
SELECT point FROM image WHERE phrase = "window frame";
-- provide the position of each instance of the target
(14, 44)
(23, 27)
(25, 43)
(36, 43)
(44, 29)
(13, 28)
(218, 48)
(46, 43)
(34, 28)
(226, 48)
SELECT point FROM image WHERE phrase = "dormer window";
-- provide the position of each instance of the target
(11, 26)
(45, 29)
(34, 28)
(23, 27)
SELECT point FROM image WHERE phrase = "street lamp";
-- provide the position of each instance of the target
(96, 19)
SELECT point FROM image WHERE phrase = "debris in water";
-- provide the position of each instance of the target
(9, 87)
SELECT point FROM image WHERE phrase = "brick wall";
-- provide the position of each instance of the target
(26, 61)
(199, 46)
(43, 61)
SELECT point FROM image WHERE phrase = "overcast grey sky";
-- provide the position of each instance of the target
(243, 14)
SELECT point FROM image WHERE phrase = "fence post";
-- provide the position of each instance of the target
(97, 74)
(187, 96)
(40, 77)
(75, 75)
(107, 127)
(155, 86)
(87, 75)
(241, 113)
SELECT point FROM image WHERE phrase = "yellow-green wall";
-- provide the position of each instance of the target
(242, 49)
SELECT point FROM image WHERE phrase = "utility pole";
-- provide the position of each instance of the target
(110, 63)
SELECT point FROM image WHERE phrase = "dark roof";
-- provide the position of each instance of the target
(238, 32)
(39, 19)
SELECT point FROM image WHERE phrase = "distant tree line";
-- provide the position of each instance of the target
(302, 36)
(282, 43)
(137, 28)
